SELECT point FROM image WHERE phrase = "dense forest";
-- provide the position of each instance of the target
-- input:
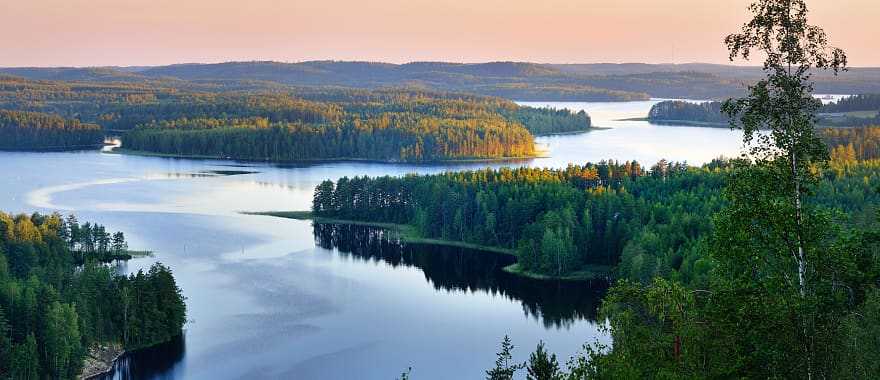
(395, 137)
(397, 126)
(862, 102)
(301, 124)
(792, 260)
(853, 144)
(52, 310)
(646, 222)
(38, 131)
(854, 111)
(858, 110)
(687, 112)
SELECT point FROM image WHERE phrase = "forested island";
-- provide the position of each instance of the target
(305, 124)
(853, 111)
(55, 308)
(688, 113)
(38, 131)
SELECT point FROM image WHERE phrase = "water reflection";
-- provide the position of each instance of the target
(455, 269)
(149, 363)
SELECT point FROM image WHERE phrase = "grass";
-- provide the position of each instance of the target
(409, 234)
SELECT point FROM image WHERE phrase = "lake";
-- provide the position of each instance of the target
(279, 298)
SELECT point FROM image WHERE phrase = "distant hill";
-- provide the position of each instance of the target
(512, 80)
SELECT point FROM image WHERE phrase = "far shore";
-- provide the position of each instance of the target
(131, 152)
(408, 234)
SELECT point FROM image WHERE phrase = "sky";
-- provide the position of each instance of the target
(158, 32)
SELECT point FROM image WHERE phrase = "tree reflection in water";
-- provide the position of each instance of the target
(148, 363)
(555, 303)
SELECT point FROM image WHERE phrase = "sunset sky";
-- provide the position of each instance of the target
(155, 32)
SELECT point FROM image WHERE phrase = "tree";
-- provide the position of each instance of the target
(543, 366)
(25, 360)
(62, 342)
(118, 244)
(5, 343)
(504, 368)
(783, 103)
(771, 246)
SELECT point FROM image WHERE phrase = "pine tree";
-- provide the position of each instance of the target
(504, 368)
(543, 366)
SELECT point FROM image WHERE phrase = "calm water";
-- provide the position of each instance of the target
(277, 298)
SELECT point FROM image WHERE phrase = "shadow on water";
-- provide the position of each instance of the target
(555, 303)
(155, 362)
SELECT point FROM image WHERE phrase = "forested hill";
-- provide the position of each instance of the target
(54, 310)
(511, 80)
(39, 131)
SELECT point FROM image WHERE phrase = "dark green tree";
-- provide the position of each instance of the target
(783, 103)
(25, 360)
(542, 365)
(504, 367)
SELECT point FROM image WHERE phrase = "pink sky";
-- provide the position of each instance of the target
(154, 32)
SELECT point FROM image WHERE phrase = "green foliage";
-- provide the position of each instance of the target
(37, 131)
(52, 308)
(542, 366)
(543, 121)
(791, 291)
(859, 357)
(861, 102)
(504, 367)
(557, 220)
(678, 111)
(397, 137)
(294, 124)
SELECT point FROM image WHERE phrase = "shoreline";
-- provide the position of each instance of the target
(123, 151)
(408, 235)
(587, 130)
(98, 361)
(73, 148)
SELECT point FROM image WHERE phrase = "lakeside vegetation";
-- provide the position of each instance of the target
(678, 111)
(751, 268)
(53, 310)
(645, 223)
(854, 111)
(792, 259)
(403, 232)
(38, 131)
(306, 124)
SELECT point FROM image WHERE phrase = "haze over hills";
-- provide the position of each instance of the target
(513, 80)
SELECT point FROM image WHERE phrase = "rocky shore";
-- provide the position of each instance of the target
(100, 360)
